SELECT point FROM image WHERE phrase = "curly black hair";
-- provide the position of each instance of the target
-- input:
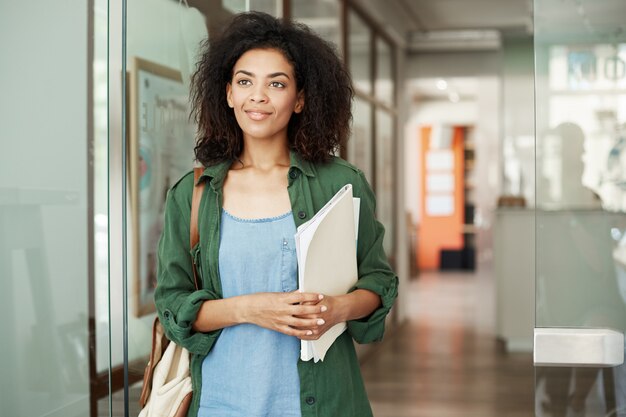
(320, 129)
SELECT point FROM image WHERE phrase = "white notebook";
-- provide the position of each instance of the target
(326, 251)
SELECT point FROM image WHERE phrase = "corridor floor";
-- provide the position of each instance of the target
(445, 361)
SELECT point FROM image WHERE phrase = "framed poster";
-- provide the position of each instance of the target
(161, 142)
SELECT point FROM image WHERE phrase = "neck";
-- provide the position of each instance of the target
(264, 154)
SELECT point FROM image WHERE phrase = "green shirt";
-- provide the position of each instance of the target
(333, 387)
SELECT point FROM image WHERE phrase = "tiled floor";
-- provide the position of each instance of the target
(446, 362)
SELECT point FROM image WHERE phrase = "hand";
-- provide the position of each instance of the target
(330, 313)
(290, 313)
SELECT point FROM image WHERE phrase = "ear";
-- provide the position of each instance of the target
(299, 103)
(229, 96)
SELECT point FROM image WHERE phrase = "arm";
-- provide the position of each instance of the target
(352, 306)
(176, 297)
(274, 311)
(375, 274)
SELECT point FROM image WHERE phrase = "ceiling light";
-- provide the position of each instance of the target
(442, 84)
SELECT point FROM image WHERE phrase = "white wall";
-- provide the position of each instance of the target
(519, 119)
(43, 208)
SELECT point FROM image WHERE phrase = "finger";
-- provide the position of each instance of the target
(304, 310)
(314, 335)
(309, 337)
(304, 297)
(299, 333)
(307, 324)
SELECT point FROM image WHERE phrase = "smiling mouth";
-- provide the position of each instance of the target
(257, 115)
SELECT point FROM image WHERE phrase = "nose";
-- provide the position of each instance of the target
(258, 95)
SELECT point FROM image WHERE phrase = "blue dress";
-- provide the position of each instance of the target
(252, 371)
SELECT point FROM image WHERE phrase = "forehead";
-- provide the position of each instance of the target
(263, 61)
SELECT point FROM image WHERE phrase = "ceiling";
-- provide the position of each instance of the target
(445, 25)
(451, 24)
(504, 15)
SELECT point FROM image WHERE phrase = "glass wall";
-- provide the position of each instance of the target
(324, 17)
(46, 208)
(360, 52)
(580, 71)
(372, 147)
(94, 132)
(162, 43)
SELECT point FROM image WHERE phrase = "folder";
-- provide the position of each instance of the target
(326, 252)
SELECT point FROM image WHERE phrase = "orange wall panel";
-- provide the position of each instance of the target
(440, 232)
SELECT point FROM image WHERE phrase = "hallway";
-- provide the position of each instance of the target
(445, 361)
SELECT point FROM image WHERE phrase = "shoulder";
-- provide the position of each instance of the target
(337, 172)
(337, 167)
(182, 190)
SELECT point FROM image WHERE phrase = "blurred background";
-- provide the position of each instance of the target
(491, 131)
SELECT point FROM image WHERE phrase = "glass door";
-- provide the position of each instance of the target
(54, 332)
(580, 106)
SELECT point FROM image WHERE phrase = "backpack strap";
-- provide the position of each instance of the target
(194, 235)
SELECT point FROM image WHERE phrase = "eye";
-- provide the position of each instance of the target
(244, 82)
(277, 84)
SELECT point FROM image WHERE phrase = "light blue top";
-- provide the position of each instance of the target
(252, 371)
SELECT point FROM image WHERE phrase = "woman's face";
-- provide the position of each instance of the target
(263, 94)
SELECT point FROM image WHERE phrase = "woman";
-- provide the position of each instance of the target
(272, 101)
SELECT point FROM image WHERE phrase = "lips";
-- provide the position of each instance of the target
(257, 114)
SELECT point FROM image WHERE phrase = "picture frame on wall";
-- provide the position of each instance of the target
(160, 145)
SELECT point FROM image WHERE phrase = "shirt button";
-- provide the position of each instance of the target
(310, 400)
(293, 174)
(301, 214)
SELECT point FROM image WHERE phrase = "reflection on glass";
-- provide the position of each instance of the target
(384, 176)
(321, 16)
(586, 121)
(359, 38)
(360, 143)
(384, 77)
(581, 173)
(162, 44)
(100, 186)
(44, 210)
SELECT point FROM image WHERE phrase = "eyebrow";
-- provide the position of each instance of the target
(272, 75)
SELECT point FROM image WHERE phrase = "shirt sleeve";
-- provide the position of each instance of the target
(375, 274)
(176, 297)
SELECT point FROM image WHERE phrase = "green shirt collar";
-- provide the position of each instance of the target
(304, 166)
(217, 173)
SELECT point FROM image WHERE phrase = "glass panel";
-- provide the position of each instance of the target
(581, 171)
(384, 176)
(359, 47)
(321, 16)
(100, 185)
(518, 144)
(162, 47)
(360, 143)
(384, 72)
(45, 209)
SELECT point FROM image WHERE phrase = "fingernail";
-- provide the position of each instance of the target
(320, 296)
(324, 308)
(309, 333)
(320, 322)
